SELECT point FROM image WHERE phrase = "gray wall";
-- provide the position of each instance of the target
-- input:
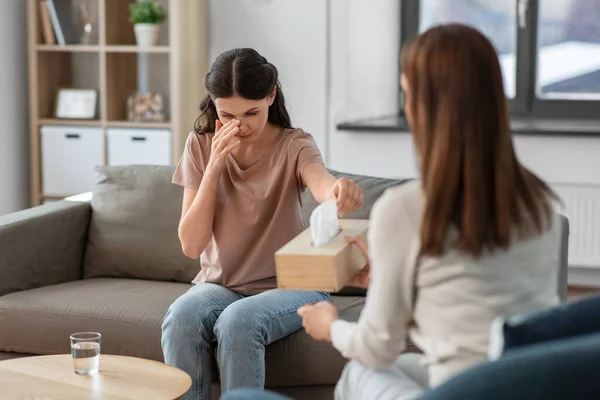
(14, 135)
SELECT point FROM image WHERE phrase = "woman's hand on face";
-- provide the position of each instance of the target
(318, 318)
(348, 196)
(224, 142)
(363, 277)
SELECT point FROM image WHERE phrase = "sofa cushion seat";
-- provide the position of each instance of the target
(129, 314)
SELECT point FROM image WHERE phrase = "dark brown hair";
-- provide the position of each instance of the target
(248, 74)
(471, 177)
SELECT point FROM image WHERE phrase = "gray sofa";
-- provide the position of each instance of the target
(115, 265)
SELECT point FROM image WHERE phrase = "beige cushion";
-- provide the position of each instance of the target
(133, 229)
(129, 314)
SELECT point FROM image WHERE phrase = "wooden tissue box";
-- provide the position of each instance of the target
(301, 266)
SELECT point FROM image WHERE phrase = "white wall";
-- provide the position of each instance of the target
(364, 47)
(292, 34)
(14, 157)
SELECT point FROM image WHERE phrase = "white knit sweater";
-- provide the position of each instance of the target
(447, 304)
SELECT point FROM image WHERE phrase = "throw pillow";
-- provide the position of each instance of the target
(133, 228)
(568, 320)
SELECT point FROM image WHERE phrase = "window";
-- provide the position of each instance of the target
(568, 50)
(495, 18)
(549, 50)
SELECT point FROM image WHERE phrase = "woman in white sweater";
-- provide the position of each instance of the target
(475, 238)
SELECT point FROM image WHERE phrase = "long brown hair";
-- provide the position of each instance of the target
(471, 177)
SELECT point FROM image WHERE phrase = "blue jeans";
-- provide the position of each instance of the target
(239, 326)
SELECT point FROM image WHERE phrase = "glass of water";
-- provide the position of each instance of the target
(85, 348)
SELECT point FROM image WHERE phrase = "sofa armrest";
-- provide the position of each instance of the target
(43, 245)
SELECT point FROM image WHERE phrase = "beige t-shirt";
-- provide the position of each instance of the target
(257, 209)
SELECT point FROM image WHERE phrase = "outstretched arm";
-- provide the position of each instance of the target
(324, 186)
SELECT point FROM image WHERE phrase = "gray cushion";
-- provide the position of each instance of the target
(133, 229)
(42, 245)
(127, 312)
(129, 315)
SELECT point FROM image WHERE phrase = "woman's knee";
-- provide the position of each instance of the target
(343, 386)
(191, 314)
(351, 382)
(180, 312)
(236, 320)
(359, 382)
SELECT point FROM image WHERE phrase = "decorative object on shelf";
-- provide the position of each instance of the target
(145, 107)
(87, 18)
(76, 103)
(147, 17)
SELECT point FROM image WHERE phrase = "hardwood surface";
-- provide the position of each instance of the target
(52, 378)
(70, 48)
(578, 292)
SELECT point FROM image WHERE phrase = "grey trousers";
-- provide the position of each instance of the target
(406, 380)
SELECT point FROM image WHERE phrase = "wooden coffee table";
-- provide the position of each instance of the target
(52, 378)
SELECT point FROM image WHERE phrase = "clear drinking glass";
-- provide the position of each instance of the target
(85, 348)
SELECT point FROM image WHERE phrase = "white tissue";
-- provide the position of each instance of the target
(324, 224)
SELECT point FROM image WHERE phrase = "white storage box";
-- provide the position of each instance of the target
(70, 155)
(139, 146)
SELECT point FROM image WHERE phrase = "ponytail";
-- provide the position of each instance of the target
(205, 123)
(278, 114)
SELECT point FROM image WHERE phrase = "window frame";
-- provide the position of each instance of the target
(526, 104)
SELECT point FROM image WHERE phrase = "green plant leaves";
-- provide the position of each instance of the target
(146, 12)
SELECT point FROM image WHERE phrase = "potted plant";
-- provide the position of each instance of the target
(146, 17)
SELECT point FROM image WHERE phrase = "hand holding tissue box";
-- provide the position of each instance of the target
(319, 258)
